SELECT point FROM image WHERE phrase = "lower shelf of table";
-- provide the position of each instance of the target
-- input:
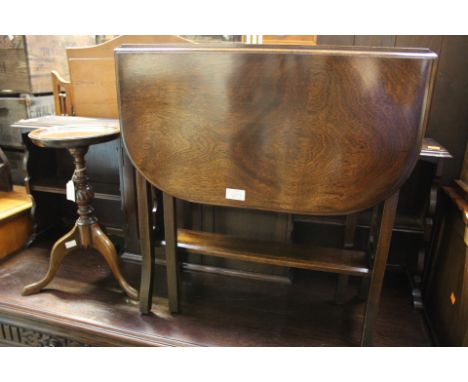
(301, 256)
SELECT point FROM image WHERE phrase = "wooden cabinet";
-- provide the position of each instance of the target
(446, 294)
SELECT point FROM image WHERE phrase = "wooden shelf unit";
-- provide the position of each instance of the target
(106, 191)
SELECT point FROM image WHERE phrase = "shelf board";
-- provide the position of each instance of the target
(57, 186)
(403, 223)
(302, 256)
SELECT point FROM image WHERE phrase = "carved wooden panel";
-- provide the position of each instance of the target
(20, 336)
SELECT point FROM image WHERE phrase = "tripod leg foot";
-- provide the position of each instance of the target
(104, 246)
(61, 248)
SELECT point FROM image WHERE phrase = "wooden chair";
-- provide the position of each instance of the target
(91, 91)
(296, 130)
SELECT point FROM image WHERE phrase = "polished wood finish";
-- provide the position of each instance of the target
(84, 305)
(348, 242)
(199, 121)
(378, 268)
(47, 172)
(274, 253)
(145, 227)
(15, 220)
(91, 92)
(416, 215)
(447, 120)
(86, 233)
(172, 239)
(338, 92)
(75, 134)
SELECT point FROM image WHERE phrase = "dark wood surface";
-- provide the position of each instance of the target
(318, 120)
(47, 171)
(67, 134)
(446, 292)
(294, 130)
(448, 117)
(84, 303)
(449, 129)
(86, 233)
(275, 253)
(382, 247)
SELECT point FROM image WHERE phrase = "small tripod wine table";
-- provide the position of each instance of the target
(87, 232)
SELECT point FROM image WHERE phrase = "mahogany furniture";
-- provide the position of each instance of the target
(266, 128)
(86, 307)
(416, 215)
(446, 290)
(113, 175)
(76, 137)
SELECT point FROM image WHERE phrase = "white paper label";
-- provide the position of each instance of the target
(71, 190)
(235, 194)
(70, 244)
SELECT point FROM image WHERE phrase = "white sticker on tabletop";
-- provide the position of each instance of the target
(235, 194)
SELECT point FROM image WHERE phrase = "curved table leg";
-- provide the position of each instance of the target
(104, 246)
(61, 248)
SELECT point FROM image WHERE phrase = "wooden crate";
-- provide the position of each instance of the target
(13, 109)
(15, 220)
(26, 61)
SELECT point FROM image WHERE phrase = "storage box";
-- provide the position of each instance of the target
(26, 61)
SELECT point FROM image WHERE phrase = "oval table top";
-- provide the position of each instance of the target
(319, 131)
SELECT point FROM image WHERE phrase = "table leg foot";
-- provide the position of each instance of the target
(104, 246)
(61, 248)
